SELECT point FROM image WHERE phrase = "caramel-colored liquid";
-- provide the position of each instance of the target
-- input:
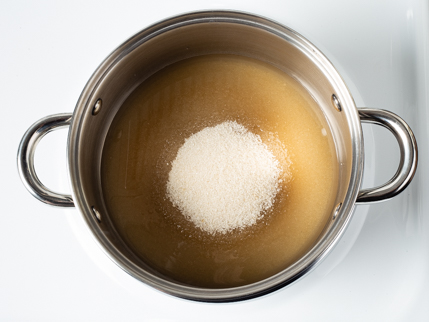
(182, 99)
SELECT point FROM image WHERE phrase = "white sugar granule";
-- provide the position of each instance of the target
(223, 178)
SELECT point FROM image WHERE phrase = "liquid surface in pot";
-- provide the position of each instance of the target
(183, 99)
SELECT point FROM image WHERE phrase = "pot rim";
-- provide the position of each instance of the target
(304, 264)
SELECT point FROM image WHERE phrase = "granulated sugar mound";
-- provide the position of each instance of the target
(223, 178)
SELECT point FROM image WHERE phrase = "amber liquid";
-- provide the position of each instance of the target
(182, 99)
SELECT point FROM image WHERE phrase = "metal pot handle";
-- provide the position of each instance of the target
(408, 160)
(25, 159)
(400, 129)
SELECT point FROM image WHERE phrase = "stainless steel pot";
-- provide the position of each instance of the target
(195, 34)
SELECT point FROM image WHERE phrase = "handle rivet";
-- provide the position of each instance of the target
(97, 107)
(336, 103)
(97, 215)
(337, 211)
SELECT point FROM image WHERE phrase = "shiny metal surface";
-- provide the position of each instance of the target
(25, 160)
(202, 33)
(408, 155)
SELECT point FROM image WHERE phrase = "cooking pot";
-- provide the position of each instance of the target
(201, 33)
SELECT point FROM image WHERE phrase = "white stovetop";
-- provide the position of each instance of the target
(52, 270)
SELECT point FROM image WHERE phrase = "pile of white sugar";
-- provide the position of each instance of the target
(223, 178)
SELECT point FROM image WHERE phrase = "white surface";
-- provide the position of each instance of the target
(51, 270)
